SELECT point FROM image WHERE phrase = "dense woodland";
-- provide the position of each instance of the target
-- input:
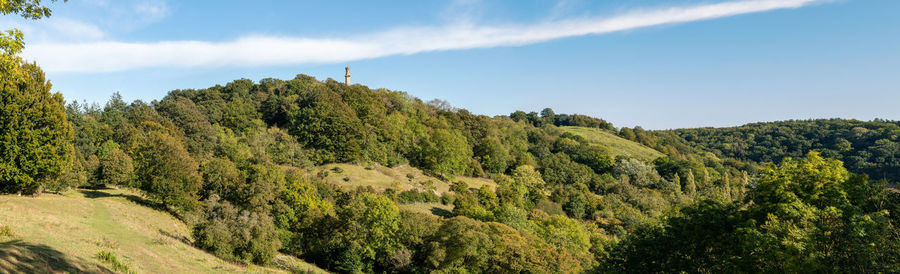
(865, 147)
(235, 162)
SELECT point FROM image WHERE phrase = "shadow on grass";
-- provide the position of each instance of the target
(17, 256)
(94, 194)
(182, 239)
(437, 211)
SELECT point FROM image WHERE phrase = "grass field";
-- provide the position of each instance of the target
(381, 178)
(436, 209)
(616, 145)
(69, 233)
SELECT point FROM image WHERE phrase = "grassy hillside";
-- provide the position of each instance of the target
(436, 209)
(66, 233)
(615, 144)
(380, 177)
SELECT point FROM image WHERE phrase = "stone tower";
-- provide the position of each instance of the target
(347, 76)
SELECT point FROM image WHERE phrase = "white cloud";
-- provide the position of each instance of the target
(72, 29)
(56, 29)
(109, 56)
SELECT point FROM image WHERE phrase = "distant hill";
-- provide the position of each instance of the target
(871, 147)
(67, 233)
(616, 145)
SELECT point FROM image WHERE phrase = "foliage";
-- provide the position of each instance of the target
(35, 137)
(799, 219)
(463, 244)
(166, 172)
(29, 9)
(416, 196)
(235, 234)
(116, 167)
(565, 200)
(702, 238)
(113, 260)
(369, 230)
(446, 152)
(866, 147)
(6, 232)
(493, 155)
(547, 116)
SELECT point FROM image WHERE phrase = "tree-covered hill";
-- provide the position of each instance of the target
(356, 179)
(316, 169)
(870, 147)
(284, 153)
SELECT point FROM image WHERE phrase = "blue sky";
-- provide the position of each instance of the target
(657, 64)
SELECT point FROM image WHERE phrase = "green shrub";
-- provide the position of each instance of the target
(322, 174)
(6, 232)
(415, 196)
(113, 261)
(447, 198)
(237, 235)
(428, 184)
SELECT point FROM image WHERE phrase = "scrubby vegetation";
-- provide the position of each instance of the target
(114, 262)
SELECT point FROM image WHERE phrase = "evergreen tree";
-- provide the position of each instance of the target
(690, 187)
(35, 137)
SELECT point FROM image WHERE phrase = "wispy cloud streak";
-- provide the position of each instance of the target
(107, 56)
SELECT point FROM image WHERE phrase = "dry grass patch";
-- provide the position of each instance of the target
(402, 177)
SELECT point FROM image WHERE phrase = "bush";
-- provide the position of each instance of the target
(415, 196)
(112, 260)
(447, 198)
(427, 184)
(237, 235)
(6, 232)
(322, 174)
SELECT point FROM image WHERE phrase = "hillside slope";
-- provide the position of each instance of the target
(402, 177)
(65, 233)
(616, 145)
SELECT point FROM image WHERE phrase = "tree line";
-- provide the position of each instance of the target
(868, 147)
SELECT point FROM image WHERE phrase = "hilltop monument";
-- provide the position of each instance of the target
(347, 76)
